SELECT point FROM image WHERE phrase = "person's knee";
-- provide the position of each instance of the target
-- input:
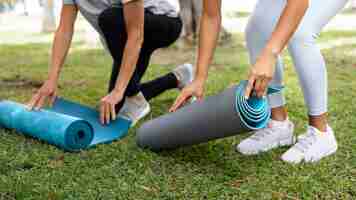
(111, 17)
(142, 139)
(303, 36)
(258, 28)
(257, 32)
(256, 36)
(250, 33)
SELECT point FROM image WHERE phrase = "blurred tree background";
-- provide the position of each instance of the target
(190, 12)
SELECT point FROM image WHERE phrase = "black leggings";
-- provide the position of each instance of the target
(159, 31)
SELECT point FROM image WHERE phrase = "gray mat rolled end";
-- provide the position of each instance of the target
(196, 123)
(219, 116)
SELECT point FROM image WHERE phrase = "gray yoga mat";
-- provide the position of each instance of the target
(219, 116)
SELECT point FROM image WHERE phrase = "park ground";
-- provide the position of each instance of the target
(30, 169)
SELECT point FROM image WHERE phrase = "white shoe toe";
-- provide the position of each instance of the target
(292, 156)
(247, 147)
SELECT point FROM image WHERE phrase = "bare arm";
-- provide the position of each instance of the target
(62, 40)
(134, 22)
(209, 33)
(61, 44)
(210, 26)
(262, 72)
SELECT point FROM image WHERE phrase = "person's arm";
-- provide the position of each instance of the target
(210, 26)
(262, 71)
(208, 37)
(62, 40)
(134, 21)
(61, 44)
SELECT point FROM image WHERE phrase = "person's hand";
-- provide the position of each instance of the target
(261, 74)
(48, 91)
(107, 106)
(194, 89)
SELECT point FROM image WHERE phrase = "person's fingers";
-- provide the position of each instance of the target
(179, 102)
(107, 112)
(264, 85)
(40, 103)
(102, 113)
(33, 101)
(52, 99)
(249, 87)
(175, 104)
(200, 96)
(258, 87)
(113, 112)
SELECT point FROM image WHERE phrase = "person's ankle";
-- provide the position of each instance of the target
(279, 118)
(279, 114)
(319, 122)
(321, 127)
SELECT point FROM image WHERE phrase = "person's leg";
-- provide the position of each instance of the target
(160, 31)
(159, 85)
(280, 130)
(111, 22)
(257, 33)
(310, 67)
(186, 12)
(309, 62)
(319, 140)
(115, 36)
(197, 12)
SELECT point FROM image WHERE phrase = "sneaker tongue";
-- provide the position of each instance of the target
(274, 123)
(138, 100)
(314, 131)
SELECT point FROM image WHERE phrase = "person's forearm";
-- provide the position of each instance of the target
(208, 37)
(61, 45)
(134, 22)
(287, 25)
(129, 61)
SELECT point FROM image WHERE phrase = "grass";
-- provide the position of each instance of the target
(30, 169)
(240, 14)
(349, 11)
(334, 35)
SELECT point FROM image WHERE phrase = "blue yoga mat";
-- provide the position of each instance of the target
(254, 112)
(68, 125)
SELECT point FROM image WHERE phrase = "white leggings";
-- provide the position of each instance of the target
(306, 55)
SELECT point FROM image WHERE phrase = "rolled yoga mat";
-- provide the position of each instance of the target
(219, 116)
(68, 125)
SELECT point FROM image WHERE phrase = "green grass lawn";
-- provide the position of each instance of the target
(30, 169)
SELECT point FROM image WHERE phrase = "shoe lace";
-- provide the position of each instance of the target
(137, 103)
(305, 142)
(259, 135)
(130, 106)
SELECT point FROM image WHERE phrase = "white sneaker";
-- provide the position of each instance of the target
(135, 108)
(312, 146)
(277, 134)
(185, 74)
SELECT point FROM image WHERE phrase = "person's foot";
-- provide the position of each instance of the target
(277, 134)
(185, 74)
(312, 146)
(135, 108)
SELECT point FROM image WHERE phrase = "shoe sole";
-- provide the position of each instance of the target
(281, 143)
(329, 153)
(143, 114)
